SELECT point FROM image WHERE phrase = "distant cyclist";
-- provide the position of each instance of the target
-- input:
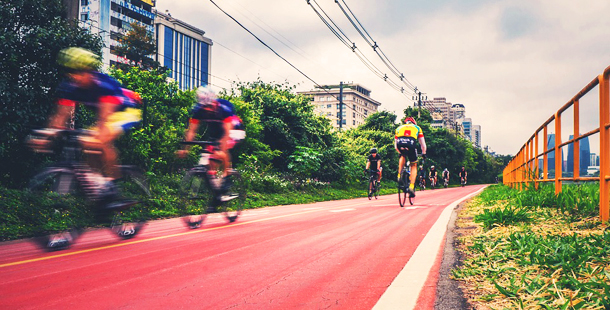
(446, 176)
(433, 177)
(116, 110)
(463, 176)
(373, 163)
(224, 126)
(405, 141)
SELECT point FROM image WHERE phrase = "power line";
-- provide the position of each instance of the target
(373, 44)
(336, 30)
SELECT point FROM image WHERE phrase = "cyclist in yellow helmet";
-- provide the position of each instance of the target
(405, 141)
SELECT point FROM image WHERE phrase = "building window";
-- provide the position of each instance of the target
(366, 112)
(84, 16)
(84, 2)
(322, 98)
(354, 122)
(354, 114)
(329, 105)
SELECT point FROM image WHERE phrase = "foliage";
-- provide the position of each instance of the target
(304, 162)
(137, 45)
(31, 36)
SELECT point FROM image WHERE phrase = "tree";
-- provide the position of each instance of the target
(137, 45)
(31, 35)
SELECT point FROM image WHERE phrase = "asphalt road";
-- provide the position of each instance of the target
(347, 254)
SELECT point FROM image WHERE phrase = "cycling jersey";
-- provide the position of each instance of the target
(104, 89)
(221, 113)
(374, 160)
(433, 172)
(445, 173)
(409, 131)
(462, 174)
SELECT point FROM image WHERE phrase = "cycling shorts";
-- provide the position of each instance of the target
(124, 120)
(406, 146)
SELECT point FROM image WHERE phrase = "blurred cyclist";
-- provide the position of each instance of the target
(224, 126)
(463, 176)
(116, 110)
(405, 141)
(446, 175)
(433, 176)
(373, 163)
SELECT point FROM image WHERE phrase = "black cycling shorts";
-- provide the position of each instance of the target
(407, 147)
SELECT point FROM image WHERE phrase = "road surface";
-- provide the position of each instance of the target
(346, 254)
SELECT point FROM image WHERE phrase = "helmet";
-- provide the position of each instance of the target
(410, 119)
(431, 167)
(77, 58)
(205, 95)
(374, 150)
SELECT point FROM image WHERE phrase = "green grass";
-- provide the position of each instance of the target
(535, 250)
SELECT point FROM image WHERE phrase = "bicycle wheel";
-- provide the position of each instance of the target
(196, 195)
(376, 188)
(232, 208)
(402, 190)
(133, 187)
(58, 229)
(371, 188)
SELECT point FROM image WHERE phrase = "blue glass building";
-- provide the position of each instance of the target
(585, 157)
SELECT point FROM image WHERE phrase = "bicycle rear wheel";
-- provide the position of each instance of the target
(402, 189)
(196, 196)
(371, 188)
(232, 208)
(133, 187)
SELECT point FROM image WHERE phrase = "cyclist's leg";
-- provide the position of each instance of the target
(379, 174)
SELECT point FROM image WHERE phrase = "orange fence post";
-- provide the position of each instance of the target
(558, 155)
(545, 160)
(604, 145)
(536, 168)
(576, 145)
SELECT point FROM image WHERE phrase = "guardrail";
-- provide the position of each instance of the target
(524, 167)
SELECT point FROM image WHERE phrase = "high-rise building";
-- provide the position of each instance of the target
(585, 156)
(184, 50)
(476, 136)
(112, 18)
(467, 124)
(551, 154)
(593, 159)
(357, 104)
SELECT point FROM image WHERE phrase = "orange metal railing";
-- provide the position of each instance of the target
(523, 168)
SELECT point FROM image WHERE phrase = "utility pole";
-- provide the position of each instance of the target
(418, 97)
(340, 105)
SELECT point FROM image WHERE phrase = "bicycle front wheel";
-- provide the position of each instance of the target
(371, 188)
(376, 188)
(133, 187)
(196, 195)
(232, 208)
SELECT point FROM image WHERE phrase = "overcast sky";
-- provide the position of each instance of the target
(512, 63)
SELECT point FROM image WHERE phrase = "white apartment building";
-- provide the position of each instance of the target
(357, 104)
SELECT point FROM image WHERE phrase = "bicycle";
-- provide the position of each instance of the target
(432, 182)
(405, 180)
(70, 177)
(422, 182)
(463, 181)
(201, 186)
(373, 188)
(446, 182)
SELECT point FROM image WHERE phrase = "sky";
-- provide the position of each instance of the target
(512, 64)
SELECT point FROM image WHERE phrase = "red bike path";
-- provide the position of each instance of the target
(339, 254)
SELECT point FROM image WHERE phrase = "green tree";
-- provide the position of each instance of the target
(137, 45)
(31, 35)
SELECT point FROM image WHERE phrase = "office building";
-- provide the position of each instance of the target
(357, 104)
(585, 154)
(184, 50)
(111, 19)
(476, 136)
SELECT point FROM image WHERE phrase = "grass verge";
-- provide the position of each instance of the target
(533, 250)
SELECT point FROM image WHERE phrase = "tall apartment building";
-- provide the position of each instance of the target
(184, 50)
(476, 136)
(357, 104)
(111, 19)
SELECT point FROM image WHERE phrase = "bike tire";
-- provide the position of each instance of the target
(232, 209)
(371, 188)
(376, 189)
(402, 190)
(195, 196)
(133, 186)
(60, 230)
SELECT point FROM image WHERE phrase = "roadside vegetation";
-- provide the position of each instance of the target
(531, 249)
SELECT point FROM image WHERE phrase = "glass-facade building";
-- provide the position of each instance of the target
(585, 156)
(184, 50)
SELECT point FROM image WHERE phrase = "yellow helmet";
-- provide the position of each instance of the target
(77, 58)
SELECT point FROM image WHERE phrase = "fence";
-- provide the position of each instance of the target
(524, 167)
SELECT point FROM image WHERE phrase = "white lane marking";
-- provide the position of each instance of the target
(411, 208)
(404, 290)
(342, 210)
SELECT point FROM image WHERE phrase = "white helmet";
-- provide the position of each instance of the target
(205, 95)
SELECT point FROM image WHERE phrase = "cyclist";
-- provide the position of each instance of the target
(405, 140)
(446, 176)
(224, 125)
(373, 164)
(463, 175)
(432, 176)
(116, 109)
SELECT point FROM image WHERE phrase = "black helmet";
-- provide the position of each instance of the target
(374, 150)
